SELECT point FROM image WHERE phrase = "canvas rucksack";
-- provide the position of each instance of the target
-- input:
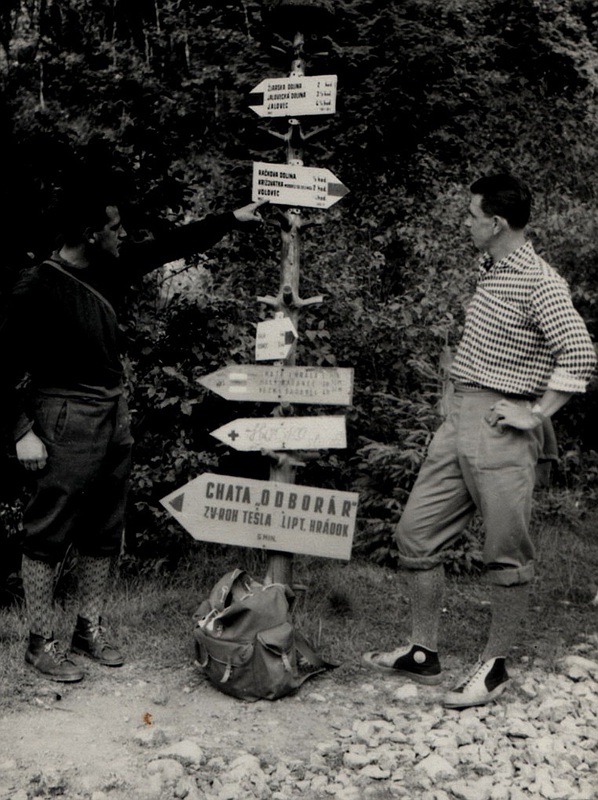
(246, 643)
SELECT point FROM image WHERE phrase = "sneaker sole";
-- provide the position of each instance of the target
(80, 652)
(427, 680)
(489, 698)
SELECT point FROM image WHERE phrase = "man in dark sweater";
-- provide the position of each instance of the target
(72, 432)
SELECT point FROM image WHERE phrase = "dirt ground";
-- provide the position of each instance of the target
(102, 727)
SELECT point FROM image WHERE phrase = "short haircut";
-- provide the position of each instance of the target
(504, 196)
(77, 215)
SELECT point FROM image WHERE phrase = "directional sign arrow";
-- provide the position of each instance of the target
(281, 384)
(295, 96)
(274, 339)
(290, 185)
(284, 433)
(266, 514)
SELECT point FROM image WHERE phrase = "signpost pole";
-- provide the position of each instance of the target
(280, 565)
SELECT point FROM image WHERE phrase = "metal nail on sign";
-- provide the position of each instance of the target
(267, 514)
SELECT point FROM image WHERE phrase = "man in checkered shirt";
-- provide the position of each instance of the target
(524, 352)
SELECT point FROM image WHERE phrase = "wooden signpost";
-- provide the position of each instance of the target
(295, 185)
(294, 96)
(278, 515)
(266, 514)
(284, 433)
(282, 384)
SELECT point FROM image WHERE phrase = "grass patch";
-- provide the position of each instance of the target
(344, 609)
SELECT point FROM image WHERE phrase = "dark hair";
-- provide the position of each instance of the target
(504, 196)
(74, 219)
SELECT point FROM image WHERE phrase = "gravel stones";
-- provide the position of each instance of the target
(540, 742)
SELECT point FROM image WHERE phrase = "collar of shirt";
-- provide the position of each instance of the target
(516, 261)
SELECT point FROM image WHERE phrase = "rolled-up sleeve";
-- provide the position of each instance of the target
(566, 336)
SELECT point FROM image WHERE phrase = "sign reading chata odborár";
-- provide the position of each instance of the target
(290, 185)
(284, 433)
(266, 514)
(282, 384)
(295, 96)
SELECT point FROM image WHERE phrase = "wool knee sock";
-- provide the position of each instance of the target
(427, 595)
(38, 586)
(509, 605)
(92, 574)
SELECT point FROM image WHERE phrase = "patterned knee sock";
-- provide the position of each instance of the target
(509, 606)
(427, 594)
(38, 585)
(93, 576)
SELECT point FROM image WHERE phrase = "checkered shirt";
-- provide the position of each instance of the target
(522, 334)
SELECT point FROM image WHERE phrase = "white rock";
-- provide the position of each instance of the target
(187, 752)
(521, 729)
(151, 736)
(326, 748)
(355, 760)
(434, 766)
(319, 783)
(349, 793)
(186, 789)
(500, 791)
(168, 768)
(579, 668)
(469, 754)
(406, 692)
(373, 771)
(230, 791)
(478, 790)
(372, 731)
(317, 763)
(149, 787)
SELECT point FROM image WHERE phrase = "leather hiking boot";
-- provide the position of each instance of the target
(484, 684)
(44, 656)
(415, 662)
(90, 640)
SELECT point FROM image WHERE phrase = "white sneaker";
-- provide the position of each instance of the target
(485, 683)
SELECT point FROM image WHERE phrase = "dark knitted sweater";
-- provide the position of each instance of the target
(65, 335)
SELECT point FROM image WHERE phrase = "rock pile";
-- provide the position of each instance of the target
(540, 741)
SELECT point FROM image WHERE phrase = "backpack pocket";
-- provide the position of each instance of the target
(226, 664)
(274, 662)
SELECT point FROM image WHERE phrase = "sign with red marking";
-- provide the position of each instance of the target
(267, 514)
(282, 384)
(284, 433)
(288, 185)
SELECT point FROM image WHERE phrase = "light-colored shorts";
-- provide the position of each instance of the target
(471, 465)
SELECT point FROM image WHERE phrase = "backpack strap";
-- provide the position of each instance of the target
(90, 288)
(310, 657)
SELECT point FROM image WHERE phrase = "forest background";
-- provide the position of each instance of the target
(431, 96)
